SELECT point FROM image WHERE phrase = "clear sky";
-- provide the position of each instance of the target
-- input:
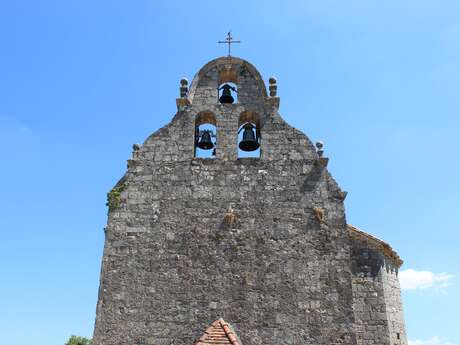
(81, 81)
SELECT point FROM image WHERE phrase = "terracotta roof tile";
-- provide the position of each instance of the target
(385, 248)
(219, 333)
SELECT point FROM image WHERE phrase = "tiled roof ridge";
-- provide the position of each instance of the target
(229, 332)
(219, 333)
(384, 247)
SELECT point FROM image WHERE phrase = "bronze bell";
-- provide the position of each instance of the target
(205, 142)
(250, 142)
(227, 94)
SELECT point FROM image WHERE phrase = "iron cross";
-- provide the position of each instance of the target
(229, 40)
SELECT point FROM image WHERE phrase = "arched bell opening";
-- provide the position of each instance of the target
(228, 93)
(249, 135)
(205, 135)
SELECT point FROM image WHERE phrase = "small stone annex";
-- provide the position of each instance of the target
(230, 213)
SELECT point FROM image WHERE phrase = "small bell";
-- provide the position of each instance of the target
(227, 94)
(205, 142)
(249, 142)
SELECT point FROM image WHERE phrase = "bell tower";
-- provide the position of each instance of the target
(259, 241)
(229, 94)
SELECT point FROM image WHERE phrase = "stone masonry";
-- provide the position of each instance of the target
(260, 242)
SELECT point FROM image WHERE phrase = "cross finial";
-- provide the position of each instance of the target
(229, 40)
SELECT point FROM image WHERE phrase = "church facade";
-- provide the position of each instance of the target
(229, 213)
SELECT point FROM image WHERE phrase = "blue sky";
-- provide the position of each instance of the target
(81, 81)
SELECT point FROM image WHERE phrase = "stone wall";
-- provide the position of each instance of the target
(172, 265)
(261, 242)
(376, 294)
(394, 308)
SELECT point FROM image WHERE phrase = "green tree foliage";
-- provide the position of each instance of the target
(76, 340)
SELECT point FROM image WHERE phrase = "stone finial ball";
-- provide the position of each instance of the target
(184, 82)
(319, 145)
(272, 80)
